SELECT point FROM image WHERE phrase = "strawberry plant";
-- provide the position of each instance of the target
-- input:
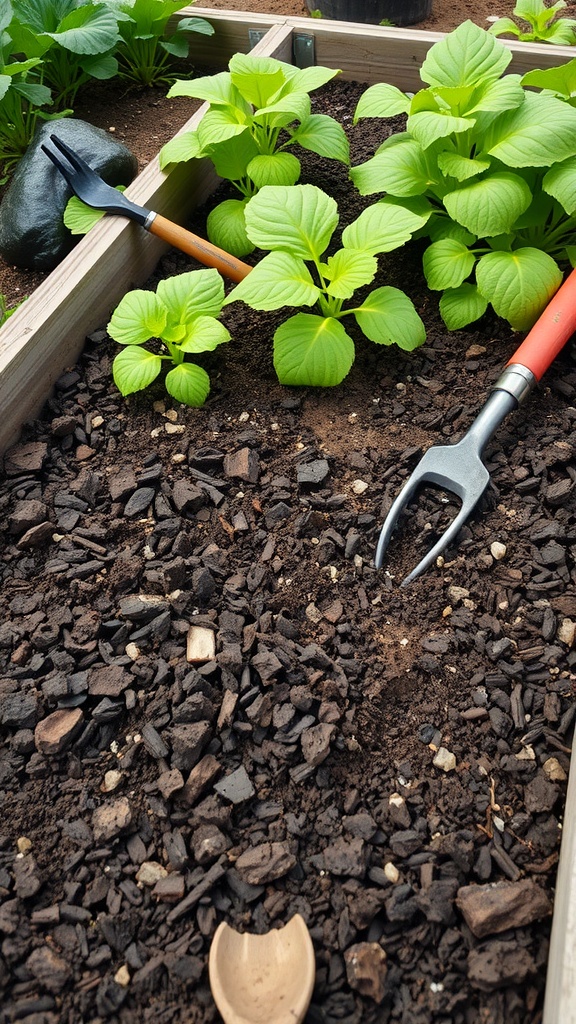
(258, 110)
(491, 161)
(179, 319)
(296, 224)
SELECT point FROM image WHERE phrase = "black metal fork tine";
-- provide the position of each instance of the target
(77, 162)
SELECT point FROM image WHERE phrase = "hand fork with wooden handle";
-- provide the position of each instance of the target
(458, 468)
(92, 190)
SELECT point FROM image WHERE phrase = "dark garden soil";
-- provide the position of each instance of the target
(390, 763)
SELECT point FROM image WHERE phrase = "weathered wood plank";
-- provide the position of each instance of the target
(48, 332)
(560, 1002)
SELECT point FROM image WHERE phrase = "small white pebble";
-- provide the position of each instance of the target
(112, 780)
(359, 486)
(97, 421)
(171, 415)
(178, 458)
(133, 651)
(498, 550)
(445, 760)
(554, 770)
(391, 872)
(23, 844)
(122, 976)
(243, 417)
(174, 428)
(150, 872)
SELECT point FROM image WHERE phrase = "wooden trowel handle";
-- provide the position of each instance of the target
(551, 331)
(206, 253)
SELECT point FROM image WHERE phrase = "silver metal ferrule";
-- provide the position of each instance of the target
(149, 220)
(517, 380)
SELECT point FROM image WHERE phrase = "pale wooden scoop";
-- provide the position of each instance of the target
(263, 979)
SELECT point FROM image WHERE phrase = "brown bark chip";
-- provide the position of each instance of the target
(488, 909)
(366, 969)
(53, 734)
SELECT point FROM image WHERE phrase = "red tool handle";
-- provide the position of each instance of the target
(198, 247)
(550, 332)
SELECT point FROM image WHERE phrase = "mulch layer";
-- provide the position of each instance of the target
(214, 708)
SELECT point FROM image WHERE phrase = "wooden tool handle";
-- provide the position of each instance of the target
(206, 253)
(550, 332)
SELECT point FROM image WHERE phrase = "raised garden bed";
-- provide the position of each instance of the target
(278, 565)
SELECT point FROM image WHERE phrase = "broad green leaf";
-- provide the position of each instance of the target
(443, 227)
(79, 218)
(461, 167)
(226, 227)
(400, 170)
(139, 316)
(275, 169)
(308, 79)
(504, 26)
(321, 134)
(278, 280)
(312, 350)
(101, 66)
(382, 228)
(256, 78)
(199, 25)
(447, 264)
(428, 126)
(88, 29)
(180, 148)
(5, 14)
(5, 83)
(561, 80)
(298, 219)
(294, 107)
(204, 335)
(467, 56)
(199, 292)
(489, 206)
(560, 182)
(388, 317)
(518, 284)
(539, 132)
(218, 125)
(39, 95)
(381, 100)
(461, 306)
(189, 384)
(347, 270)
(505, 94)
(217, 89)
(232, 156)
(134, 369)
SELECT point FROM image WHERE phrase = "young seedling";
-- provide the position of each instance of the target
(493, 163)
(180, 319)
(295, 224)
(542, 24)
(257, 111)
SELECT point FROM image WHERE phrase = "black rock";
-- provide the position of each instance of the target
(32, 232)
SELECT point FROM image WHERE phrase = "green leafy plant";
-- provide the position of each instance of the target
(180, 319)
(73, 39)
(148, 47)
(296, 224)
(80, 218)
(20, 98)
(493, 162)
(542, 23)
(258, 110)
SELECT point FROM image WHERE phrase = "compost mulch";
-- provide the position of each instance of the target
(390, 763)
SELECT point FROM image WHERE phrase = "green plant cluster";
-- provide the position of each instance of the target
(258, 110)
(49, 49)
(491, 162)
(542, 24)
(484, 168)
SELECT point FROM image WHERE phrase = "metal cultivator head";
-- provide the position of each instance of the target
(458, 468)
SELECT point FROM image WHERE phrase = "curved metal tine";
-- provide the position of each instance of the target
(442, 543)
(397, 507)
(79, 165)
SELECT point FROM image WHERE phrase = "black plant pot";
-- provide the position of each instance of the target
(373, 12)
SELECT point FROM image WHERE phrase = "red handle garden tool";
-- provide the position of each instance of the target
(458, 468)
(92, 190)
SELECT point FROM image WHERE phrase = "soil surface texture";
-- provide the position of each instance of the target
(214, 708)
